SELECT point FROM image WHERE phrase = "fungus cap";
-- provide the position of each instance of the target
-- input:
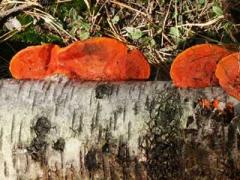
(228, 74)
(32, 62)
(103, 59)
(195, 67)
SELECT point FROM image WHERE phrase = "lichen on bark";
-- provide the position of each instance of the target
(163, 142)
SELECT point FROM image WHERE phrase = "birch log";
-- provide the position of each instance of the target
(59, 129)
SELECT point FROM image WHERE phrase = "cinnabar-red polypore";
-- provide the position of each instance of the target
(32, 62)
(93, 59)
(103, 59)
(195, 67)
(228, 74)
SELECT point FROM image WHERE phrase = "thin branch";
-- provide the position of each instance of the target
(164, 21)
(16, 9)
(209, 23)
(128, 7)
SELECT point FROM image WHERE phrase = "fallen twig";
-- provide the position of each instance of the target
(16, 9)
(209, 23)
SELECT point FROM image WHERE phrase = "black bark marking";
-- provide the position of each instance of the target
(34, 101)
(65, 100)
(54, 94)
(6, 172)
(129, 129)
(20, 133)
(81, 160)
(73, 118)
(108, 134)
(42, 126)
(92, 124)
(124, 159)
(46, 85)
(130, 91)
(38, 146)
(14, 157)
(98, 110)
(186, 100)
(30, 91)
(190, 120)
(12, 127)
(45, 95)
(37, 150)
(147, 103)
(140, 92)
(103, 91)
(115, 117)
(106, 148)
(1, 86)
(91, 99)
(59, 145)
(231, 137)
(110, 123)
(117, 90)
(227, 115)
(27, 163)
(100, 132)
(67, 84)
(72, 92)
(123, 152)
(136, 108)
(20, 88)
(90, 160)
(80, 127)
(124, 112)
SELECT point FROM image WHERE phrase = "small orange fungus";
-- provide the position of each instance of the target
(32, 62)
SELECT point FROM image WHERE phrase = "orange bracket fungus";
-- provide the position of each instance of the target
(228, 74)
(195, 67)
(93, 59)
(103, 59)
(32, 62)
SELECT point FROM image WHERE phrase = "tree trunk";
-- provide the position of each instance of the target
(59, 129)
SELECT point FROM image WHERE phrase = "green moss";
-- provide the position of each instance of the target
(62, 10)
(31, 36)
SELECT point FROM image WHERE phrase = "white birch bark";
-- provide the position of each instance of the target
(56, 129)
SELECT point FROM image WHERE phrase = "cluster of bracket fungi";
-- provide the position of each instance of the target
(207, 65)
(107, 59)
(93, 59)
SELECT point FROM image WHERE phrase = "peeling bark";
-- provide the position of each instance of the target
(115, 130)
